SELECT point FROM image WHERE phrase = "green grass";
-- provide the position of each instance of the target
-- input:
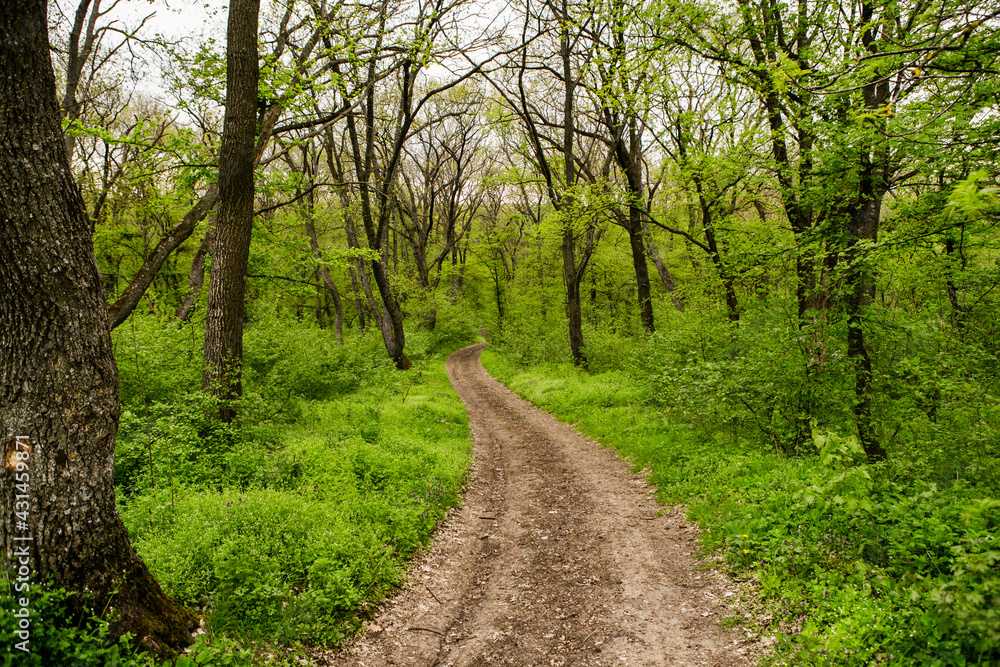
(853, 564)
(285, 528)
(351, 491)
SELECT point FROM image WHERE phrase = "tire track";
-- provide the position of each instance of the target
(557, 557)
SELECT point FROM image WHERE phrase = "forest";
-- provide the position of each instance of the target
(753, 246)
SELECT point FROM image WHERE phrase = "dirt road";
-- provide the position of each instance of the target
(557, 557)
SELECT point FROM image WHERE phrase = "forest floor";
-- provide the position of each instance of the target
(560, 555)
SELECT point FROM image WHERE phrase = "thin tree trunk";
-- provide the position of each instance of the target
(196, 277)
(131, 295)
(958, 311)
(661, 268)
(454, 274)
(363, 274)
(863, 226)
(643, 287)
(574, 312)
(732, 304)
(358, 303)
(392, 324)
(58, 378)
(571, 275)
(324, 274)
(227, 286)
(76, 60)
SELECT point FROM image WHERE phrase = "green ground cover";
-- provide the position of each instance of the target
(286, 527)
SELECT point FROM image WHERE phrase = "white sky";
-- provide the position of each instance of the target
(176, 19)
(189, 22)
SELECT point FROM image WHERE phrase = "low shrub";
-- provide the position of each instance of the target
(53, 637)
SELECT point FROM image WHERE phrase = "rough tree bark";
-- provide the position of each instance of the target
(58, 377)
(227, 286)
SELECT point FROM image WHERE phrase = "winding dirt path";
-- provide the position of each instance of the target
(557, 557)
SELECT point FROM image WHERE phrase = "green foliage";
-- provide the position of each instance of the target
(58, 639)
(454, 328)
(970, 201)
(290, 523)
(214, 652)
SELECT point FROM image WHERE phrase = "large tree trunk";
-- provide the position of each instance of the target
(227, 286)
(58, 377)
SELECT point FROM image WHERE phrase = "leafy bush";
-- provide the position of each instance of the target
(56, 638)
(454, 328)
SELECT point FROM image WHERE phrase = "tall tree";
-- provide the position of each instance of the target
(441, 187)
(404, 42)
(707, 130)
(87, 56)
(622, 65)
(854, 92)
(58, 377)
(227, 284)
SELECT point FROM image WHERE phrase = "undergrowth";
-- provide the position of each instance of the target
(284, 528)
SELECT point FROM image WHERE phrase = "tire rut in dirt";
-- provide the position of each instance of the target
(559, 556)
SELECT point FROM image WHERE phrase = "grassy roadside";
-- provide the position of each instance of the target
(853, 564)
(353, 490)
(284, 529)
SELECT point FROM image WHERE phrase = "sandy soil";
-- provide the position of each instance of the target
(559, 556)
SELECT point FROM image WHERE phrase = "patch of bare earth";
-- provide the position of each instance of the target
(557, 557)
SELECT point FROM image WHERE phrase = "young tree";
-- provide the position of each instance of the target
(58, 377)
(558, 159)
(94, 42)
(384, 86)
(622, 76)
(706, 131)
(441, 187)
